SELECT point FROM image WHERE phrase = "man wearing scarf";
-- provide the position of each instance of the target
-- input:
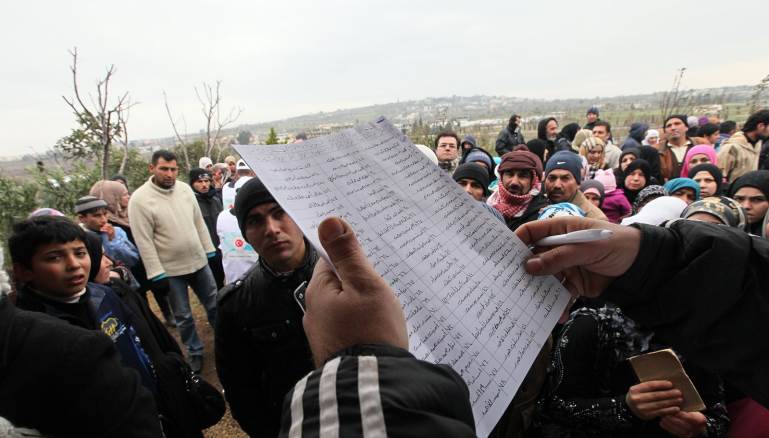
(210, 203)
(519, 196)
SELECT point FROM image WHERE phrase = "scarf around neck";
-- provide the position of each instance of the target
(511, 205)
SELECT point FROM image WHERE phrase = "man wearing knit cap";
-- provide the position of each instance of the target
(482, 158)
(175, 246)
(518, 196)
(740, 153)
(210, 203)
(93, 216)
(474, 179)
(673, 150)
(592, 117)
(261, 347)
(751, 191)
(563, 174)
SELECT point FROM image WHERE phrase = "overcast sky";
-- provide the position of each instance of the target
(283, 58)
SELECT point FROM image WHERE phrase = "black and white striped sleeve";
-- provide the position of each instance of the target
(377, 391)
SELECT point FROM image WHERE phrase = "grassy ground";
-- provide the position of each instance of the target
(227, 426)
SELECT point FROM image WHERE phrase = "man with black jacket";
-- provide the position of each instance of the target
(210, 203)
(261, 347)
(510, 137)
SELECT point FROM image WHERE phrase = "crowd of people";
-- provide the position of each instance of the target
(685, 201)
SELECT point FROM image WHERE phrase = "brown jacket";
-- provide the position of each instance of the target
(737, 156)
(669, 166)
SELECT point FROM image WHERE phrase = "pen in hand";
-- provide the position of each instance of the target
(581, 236)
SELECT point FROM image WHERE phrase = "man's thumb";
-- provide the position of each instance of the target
(339, 241)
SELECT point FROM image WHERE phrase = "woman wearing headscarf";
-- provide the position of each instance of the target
(700, 154)
(709, 178)
(626, 157)
(635, 177)
(592, 148)
(717, 210)
(579, 138)
(591, 390)
(658, 211)
(116, 195)
(685, 189)
(647, 195)
(537, 147)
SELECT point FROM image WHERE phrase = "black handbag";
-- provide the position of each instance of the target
(206, 401)
(188, 403)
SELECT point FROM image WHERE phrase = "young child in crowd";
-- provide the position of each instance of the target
(92, 214)
(615, 205)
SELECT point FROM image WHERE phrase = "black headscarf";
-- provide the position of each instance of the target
(652, 157)
(641, 164)
(95, 251)
(712, 170)
(758, 179)
(569, 131)
(537, 147)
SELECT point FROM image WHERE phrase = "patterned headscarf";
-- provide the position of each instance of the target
(647, 194)
(111, 192)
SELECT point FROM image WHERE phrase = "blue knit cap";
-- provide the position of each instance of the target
(565, 160)
(683, 183)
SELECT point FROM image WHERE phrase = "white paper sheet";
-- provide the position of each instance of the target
(456, 269)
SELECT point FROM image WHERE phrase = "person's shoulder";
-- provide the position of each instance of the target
(246, 281)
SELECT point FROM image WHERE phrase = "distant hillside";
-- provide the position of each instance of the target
(480, 115)
(493, 107)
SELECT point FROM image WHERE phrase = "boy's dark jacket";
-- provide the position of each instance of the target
(66, 381)
(141, 339)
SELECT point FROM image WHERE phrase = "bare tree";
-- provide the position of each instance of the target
(99, 123)
(123, 121)
(676, 100)
(216, 120)
(179, 138)
(210, 103)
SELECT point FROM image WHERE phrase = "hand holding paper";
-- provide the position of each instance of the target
(357, 307)
(457, 271)
(652, 399)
